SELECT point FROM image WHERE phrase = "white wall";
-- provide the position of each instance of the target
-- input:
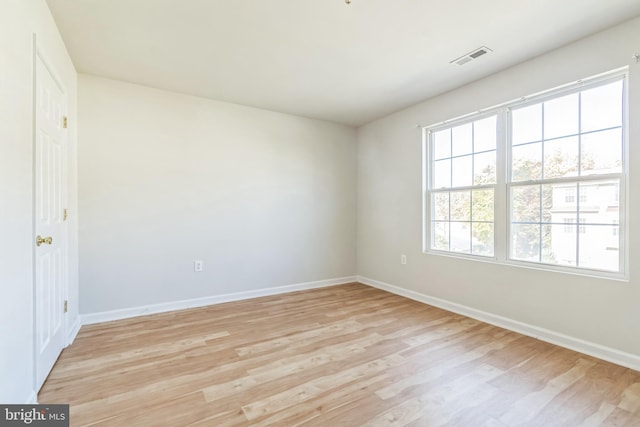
(19, 20)
(264, 199)
(600, 311)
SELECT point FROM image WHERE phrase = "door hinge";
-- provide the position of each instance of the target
(64, 122)
(64, 214)
(66, 306)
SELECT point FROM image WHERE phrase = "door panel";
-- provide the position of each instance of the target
(51, 249)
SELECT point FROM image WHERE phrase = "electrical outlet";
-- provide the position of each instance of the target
(403, 259)
(198, 265)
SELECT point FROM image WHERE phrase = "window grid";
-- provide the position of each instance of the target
(580, 198)
(470, 223)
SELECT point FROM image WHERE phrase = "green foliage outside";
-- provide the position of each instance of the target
(531, 208)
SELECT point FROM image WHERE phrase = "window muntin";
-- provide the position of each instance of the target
(562, 187)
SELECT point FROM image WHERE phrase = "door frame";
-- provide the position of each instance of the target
(39, 53)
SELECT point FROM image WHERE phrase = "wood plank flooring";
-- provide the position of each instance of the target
(347, 355)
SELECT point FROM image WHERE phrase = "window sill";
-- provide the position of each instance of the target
(593, 274)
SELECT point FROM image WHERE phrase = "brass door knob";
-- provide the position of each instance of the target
(40, 240)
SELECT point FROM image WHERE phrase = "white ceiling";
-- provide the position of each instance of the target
(319, 58)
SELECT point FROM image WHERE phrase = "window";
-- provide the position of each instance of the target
(569, 196)
(549, 168)
(582, 229)
(463, 187)
(568, 225)
(583, 195)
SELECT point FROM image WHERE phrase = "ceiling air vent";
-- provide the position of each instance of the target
(474, 54)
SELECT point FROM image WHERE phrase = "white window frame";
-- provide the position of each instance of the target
(428, 178)
(502, 202)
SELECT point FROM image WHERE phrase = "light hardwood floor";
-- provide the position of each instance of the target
(347, 355)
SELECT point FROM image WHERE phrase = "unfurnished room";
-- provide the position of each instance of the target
(320, 213)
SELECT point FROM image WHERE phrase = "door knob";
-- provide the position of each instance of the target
(40, 240)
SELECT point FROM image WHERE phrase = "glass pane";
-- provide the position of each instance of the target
(460, 206)
(461, 140)
(547, 202)
(462, 173)
(602, 107)
(442, 144)
(526, 124)
(484, 168)
(482, 239)
(599, 248)
(526, 161)
(484, 134)
(460, 237)
(561, 157)
(441, 206)
(559, 244)
(440, 235)
(525, 204)
(442, 174)
(525, 242)
(563, 201)
(599, 203)
(602, 152)
(561, 116)
(588, 197)
(482, 202)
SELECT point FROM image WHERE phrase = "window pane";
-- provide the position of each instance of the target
(442, 144)
(525, 203)
(526, 124)
(602, 107)
(563, 201)
(484, 168)
(484, 134)
(442, 174)
(527, 162)
(599, 249)
(460, 237)
(588, 198)
(561, 157)
(482, 202)
(602, 152)
(559, 244)
(597, 202)
(482, 239)
(547, 202)
(461, 140)
(460, 206)
(440, 233)
(525, 242)
(441, 206)
(561, 116)
(462, 173)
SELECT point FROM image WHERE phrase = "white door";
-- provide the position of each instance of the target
(50, 215)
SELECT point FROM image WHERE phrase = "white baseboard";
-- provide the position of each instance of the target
(592, 349)
(73, 333)
(107, 316)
